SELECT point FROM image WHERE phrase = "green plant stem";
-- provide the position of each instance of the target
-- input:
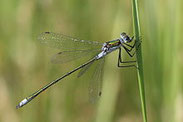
(139, 59)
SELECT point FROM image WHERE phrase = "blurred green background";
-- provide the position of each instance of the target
(25, 63)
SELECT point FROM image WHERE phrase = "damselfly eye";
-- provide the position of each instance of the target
(123, 34)
(125, 37)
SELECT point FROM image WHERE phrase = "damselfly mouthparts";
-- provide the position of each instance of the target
(100, 50)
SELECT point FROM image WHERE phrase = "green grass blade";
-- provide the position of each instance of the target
(139, 59)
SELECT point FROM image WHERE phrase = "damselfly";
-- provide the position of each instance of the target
(83, 47)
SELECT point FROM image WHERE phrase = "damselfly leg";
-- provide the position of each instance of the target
(129, 53)
(120, 61)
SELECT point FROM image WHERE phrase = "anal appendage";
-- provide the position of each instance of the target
(22, 103)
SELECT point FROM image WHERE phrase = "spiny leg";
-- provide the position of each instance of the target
(131, 55)
(124, 62)
(129, 50)
(120, 58)
(132, 46)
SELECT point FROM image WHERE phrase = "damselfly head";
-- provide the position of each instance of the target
(125, 37)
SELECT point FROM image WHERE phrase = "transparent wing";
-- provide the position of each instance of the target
(67, 56)
(61, 41)
(95, 85)
(84, 69)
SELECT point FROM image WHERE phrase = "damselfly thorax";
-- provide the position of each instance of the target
(110, 46)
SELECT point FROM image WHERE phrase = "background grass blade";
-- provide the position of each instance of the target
(139, 59)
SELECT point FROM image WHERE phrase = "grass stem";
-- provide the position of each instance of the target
(139, 59)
